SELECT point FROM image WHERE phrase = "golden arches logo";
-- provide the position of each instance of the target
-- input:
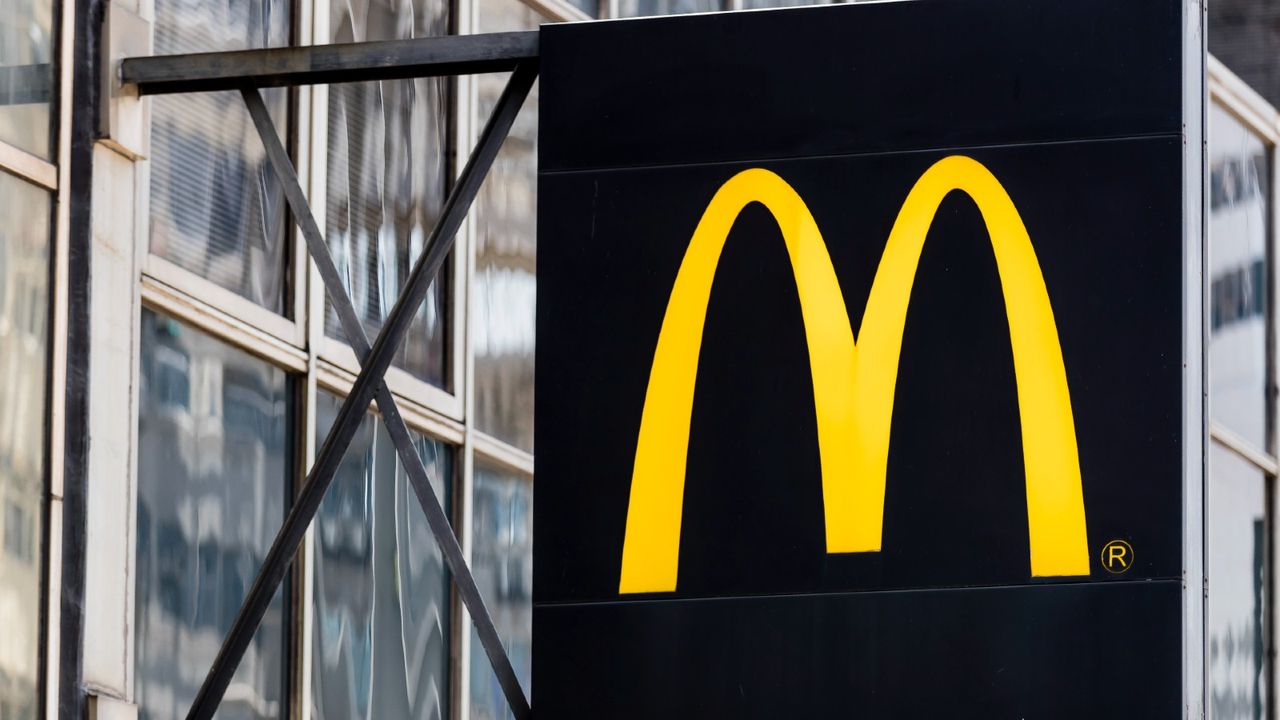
(853, 386)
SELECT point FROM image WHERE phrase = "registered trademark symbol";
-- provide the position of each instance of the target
(1117, 556)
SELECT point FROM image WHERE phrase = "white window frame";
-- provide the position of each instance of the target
(1229, 92)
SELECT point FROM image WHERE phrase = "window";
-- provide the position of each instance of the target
(382, 614)
(1239, 238)
(214, 471)
(217, 211)
(30, 106)
(388, 174)
(503, 291)
(753, 4)
(25, 239)
(1238, 572)
(502, 564)
(505, 283)
(26, 59)
(1241, 455)
(637, 8)
(19, 533)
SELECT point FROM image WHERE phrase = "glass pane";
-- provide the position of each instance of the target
(216, 208)
(213, 476)
(754, 4)
(505, 16)
(593, 8)
(387, 178)
(1237, 587)
(381, 638)
(1238, 193)
(502, 563)
(1242, 36)
(26, 74)
(506, 283)
(635, 8)
(24, 312)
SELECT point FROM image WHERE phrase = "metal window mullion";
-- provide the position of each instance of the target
(368, 384)
(312, 105)
(467, 114)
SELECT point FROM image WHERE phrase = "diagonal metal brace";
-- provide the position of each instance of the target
(437, 519)
(369, 385)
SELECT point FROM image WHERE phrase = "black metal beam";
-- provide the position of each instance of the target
(320, 64)
(437, 518)
(83, 94)
(354, 407)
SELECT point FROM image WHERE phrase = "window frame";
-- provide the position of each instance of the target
(1232, 95)
(53, 175)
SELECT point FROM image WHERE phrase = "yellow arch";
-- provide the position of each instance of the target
(854, 390)
(651, 550)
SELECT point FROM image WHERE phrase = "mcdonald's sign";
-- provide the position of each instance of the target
(853, 388)
(860, 364)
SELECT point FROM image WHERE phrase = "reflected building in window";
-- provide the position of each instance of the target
(505, 285)
(213, 476)
(388, 173)
(502, 564)
(24, 313)
(1239, 238)
(1238, 231)
(380, 643)
(27, 87)
(216, 208)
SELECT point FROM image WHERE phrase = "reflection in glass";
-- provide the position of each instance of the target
(216, 207)
(1238, 192)
(381, 639)
(637, 8)
(502, 563)
(1237, 586)
(505, 282)
(387, 175)
(593, 8)
(1242, 35)
(24, 312)
(26, 74)
(754, 4)
(213, 474)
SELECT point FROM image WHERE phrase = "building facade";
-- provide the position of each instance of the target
(169, 364)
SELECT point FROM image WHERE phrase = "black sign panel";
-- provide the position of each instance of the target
(859, 363)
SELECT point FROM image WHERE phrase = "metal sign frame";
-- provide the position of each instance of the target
(1195, 251)
(1184, 476)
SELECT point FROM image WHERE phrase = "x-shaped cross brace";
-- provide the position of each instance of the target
(369, 385)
